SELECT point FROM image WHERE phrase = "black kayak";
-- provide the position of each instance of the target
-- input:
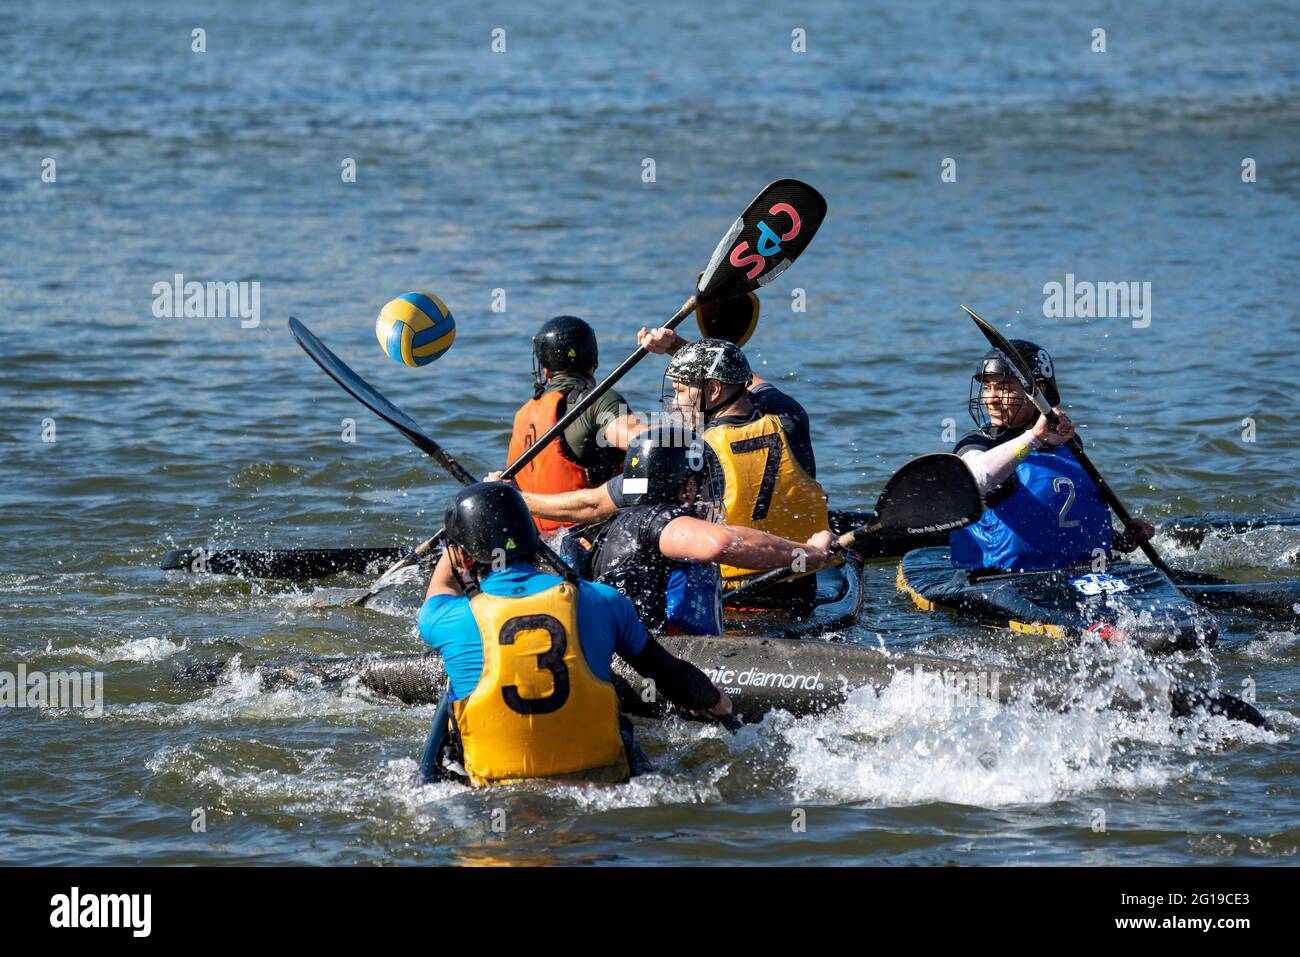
(1129, 602)
(837, 604)
(765, 674)
(305, 563)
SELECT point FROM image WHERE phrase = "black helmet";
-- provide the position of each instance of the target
(563, 344)
(995, 363)
(658, 463)
(710, 359)
(490, 519)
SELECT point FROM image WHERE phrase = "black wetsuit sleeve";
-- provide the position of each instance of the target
(680, 681)
(660, 519)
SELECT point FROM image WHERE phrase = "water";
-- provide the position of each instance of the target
(522, 172)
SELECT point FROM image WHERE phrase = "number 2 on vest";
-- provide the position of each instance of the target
(552, 660)
(771, 469)
(1057, 484)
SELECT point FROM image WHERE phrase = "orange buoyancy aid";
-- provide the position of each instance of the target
(551, 471)
(537, 710)
(766, 487)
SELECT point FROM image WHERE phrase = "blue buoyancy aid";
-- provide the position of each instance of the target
(1054, 518)
(693, 600)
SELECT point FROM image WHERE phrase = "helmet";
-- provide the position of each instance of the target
(563, 344)
(489, 519)
(710, 359)
(995, 363)
(658, 463)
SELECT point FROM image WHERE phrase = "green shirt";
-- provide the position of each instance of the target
(582, 442)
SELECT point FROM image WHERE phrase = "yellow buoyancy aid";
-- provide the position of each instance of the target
(766, 487)
(537, 710)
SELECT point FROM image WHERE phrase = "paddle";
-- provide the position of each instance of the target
(371, 398)
(931, 493)
(761, 244)
(429, 773)
(1278, 599)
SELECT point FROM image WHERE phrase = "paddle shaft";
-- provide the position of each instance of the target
(585, 403)
(530, 453)
(464, 478)
(1107, 493)
(376, 402)
(838, 546)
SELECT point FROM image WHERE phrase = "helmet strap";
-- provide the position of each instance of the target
(468, 583)
(567, 573)
(707, 412)
(539, 374)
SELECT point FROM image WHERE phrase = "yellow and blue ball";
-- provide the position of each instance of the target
(415, 329)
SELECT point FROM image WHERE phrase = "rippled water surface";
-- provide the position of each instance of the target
(522, 172)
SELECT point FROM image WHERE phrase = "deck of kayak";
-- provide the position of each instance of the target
(1128, 601)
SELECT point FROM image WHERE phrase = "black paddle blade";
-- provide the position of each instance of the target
(360, 389)
(1024, 371)
(731, 319)
(760, 245)
(931, 493)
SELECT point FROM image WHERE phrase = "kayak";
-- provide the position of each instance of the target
(765, 674)
(1129, 602)
(838, 603)
(305, 563)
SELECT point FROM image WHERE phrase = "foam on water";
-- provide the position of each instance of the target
(915, 743)
(133, 649)
(311, 784)
(1276, 549)
(1273, 646)
(899, 748)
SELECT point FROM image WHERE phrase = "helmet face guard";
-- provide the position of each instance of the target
(698, 363)
(979, 412)
(994, 363)
(689, 417)
(709, 503)
(539, 374)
